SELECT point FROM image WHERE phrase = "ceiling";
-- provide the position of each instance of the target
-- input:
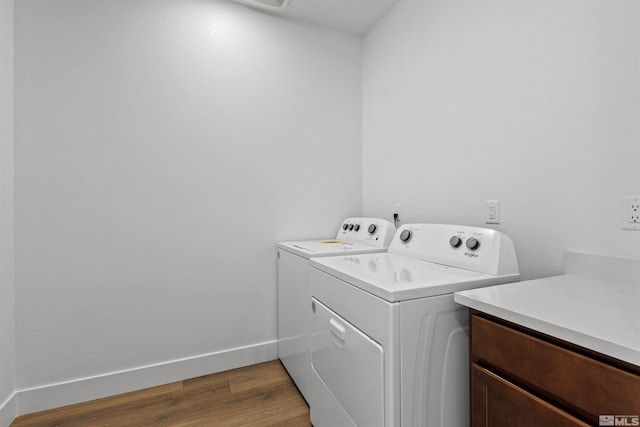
(352, 16)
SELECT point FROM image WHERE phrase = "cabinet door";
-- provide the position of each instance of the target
(496, 402)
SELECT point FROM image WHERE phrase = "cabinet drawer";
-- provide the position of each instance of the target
(498, 403)
(584, 384)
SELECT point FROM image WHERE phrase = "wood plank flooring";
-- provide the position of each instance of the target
(259, 395)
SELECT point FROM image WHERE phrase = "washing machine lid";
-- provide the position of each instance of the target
(398, 278)
(325, 248)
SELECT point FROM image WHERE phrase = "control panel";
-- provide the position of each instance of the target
(371, 231)
(473, 248)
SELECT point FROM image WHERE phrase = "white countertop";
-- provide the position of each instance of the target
(583, 309)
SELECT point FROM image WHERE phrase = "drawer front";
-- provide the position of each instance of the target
(590, 386)
(498, 403)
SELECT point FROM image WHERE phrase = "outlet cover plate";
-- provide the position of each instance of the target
(493, 212)
(631, 213)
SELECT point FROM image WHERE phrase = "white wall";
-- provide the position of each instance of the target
(535, 103)
(7, 330)
(162, 148)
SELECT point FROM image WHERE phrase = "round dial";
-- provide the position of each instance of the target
(473, 243)
(372, 228)
(350, 227)
(356, 227)
(406, 235)
(455, 241)
(345, 226)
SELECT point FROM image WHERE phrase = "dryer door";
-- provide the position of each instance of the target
(350, 364)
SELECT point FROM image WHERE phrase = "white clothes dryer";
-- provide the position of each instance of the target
(355, 236)
(389, 346)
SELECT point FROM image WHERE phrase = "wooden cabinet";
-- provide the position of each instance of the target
(523, 378)
(498, 403)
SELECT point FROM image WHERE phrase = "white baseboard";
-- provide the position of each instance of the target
(8, 411)
(67, 393)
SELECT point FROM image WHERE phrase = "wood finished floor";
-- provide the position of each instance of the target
(258, 395)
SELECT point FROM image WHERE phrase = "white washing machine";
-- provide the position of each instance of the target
(389, 346)
(355, 236)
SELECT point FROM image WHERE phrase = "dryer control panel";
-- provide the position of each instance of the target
(371, 231)
(473, 248)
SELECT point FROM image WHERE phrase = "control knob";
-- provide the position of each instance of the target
(350, 227)
(372, 228)
(473, 243)
(406, 235)
(356, 227)
(345, 226)
(455, 241)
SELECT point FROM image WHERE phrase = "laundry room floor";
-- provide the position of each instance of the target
(257, 395)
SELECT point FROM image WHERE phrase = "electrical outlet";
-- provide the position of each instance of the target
(493, 212)
(631, 213)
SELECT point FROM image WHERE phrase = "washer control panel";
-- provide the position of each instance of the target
(371, 231)
(473, 248)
